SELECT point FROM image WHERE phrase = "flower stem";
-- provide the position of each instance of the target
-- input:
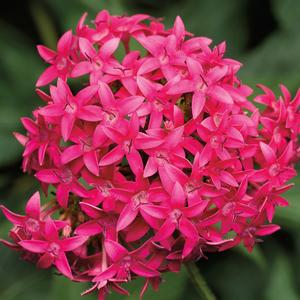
(199, 282)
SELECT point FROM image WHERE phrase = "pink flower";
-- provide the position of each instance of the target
(68, 108)
(276, 170)
(95, 62)
(31, 222)
(53, 249)
(65, 182)
(154, 161)
(60, 61)
(125, 262)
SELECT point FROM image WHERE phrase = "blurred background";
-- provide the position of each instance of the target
(263, 34)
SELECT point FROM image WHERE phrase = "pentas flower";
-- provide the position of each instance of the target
(31, 222)
(65, 182)
(52, 249)
(61, 63)
(68, 108)
(276, 170)
(95, 62)
(154, 161)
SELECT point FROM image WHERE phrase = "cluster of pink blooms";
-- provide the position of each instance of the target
(155, 160)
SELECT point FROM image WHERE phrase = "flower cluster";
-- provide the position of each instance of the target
(158, 157)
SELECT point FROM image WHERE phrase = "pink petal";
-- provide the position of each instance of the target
(267, 229)
(165, 231)
(73, 243)
(71, 153)
(63, 266)
(107, 274)
(195, 210)
(114, 134)
(130, 104)
(175, 174)
(179, 29)
(99, 137)
(42, 152)
(89, 228)
(109, 48)
(142, 270)
(158, 212)
(267, 152)
(136, 232)
(12, 217)
(62, 195)
(183, 86)
(198, 102)
(228, 178)
(47, 76)
(178, 195)
(114, 250)
(112, 157)
(85, 95)
(189, 246)
(144, 141)
(130, 84)
(174, 137)
(149, 65)
(87, 48)
(106, 95)
(64, 43)
(218, 93)
(45, 261)
(47, 176)
(51, 110)
(91, 113)
(288, 153)
(194, 67)
(91, 162)
(34, 246)
(150, 168)
(82, 68)
(188, 229)
(205, 155)
(67, 123)
(47, 54)
(92, 211)
(51, 232)
(147, 87)
(33, 206)
(127, 216)
(30, 125)
(135, 162)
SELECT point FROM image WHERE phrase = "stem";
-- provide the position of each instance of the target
(199, 282)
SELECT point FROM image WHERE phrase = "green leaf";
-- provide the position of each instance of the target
(231, 275)
(287, 13)
(20, 280)
(274, 62)
(257, 256)
(280, 284)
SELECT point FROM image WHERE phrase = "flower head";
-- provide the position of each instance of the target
(155, 160)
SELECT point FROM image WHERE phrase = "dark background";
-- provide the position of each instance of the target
(263, 35)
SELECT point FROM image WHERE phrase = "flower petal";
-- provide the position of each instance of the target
(127, 216)
(34, 246)
(114, 250)
(33, 206)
